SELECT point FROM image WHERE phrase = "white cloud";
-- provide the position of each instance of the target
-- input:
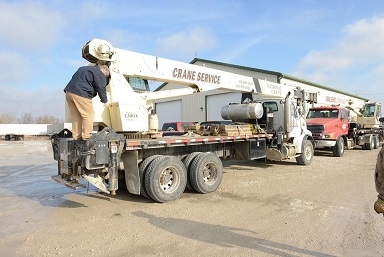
(359, 48)
(37, 101)
(187, 43)
(365, 38)
(29, 25)
(13, 68)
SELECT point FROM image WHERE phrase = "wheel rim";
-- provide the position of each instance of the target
(169, 180)
(308, 153)
(209, 173)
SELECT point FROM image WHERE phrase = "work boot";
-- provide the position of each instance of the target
(379, 206)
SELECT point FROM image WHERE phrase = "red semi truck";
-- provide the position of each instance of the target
(333, 127)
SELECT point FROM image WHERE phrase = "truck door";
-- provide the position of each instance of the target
(272, 106)
(344, 120)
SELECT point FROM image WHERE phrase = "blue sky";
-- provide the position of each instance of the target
(339, 44)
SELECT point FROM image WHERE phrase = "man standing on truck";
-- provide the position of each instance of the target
(379, 182)
(86, 83)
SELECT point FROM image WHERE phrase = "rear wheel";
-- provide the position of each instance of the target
(187, 163)
(165, 178)
(206, 173)
(142, 168)
(338, 149)
(305, 157)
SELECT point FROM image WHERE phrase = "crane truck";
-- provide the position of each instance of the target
(345, 125)
(126, 151)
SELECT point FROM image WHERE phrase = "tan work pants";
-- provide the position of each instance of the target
(82, 114)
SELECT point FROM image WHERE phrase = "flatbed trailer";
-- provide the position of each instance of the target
(159, 168)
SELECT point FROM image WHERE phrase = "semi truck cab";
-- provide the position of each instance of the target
(329, 126)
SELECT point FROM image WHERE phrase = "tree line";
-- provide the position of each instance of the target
(28, 118)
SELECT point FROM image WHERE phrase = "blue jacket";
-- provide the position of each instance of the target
(88, 81)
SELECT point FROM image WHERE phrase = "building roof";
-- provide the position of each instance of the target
(278, 74)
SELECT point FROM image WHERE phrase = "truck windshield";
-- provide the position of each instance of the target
(369, 110)
(323, 113)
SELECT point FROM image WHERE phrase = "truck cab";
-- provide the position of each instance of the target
(329, 126)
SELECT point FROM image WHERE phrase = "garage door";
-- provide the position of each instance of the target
(168, 112)
(215, 102)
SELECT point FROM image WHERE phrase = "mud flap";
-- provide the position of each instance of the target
(131, 169)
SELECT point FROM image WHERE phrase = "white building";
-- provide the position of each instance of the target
(24, 129)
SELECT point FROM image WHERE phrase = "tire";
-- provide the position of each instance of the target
(165, 179)
(187, 163)
(58, 168)
(206, 173)
(371, 144)
(338, 149)
(142, 168)
(305, 157)
(376, 142)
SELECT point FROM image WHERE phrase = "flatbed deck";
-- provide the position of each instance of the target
(160, 142)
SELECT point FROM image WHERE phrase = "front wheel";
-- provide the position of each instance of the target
(338, 149)
(305, 157)
(376, 142)
(371, 144)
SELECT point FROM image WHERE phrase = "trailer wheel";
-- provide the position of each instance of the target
(338, 149)
(206, 173)
(165, 178)
(305, 158)
(142, 168)
(187, 163)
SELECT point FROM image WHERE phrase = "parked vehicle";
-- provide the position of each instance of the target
(15, 137)
(333, 127)
(128, 147)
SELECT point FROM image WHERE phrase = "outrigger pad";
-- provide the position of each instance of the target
(70, 184)
(97, 182)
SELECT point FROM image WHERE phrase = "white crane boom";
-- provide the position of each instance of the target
(126, 104)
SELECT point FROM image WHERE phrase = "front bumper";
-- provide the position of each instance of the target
(324, 143)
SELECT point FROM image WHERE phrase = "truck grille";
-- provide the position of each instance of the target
(316, 129)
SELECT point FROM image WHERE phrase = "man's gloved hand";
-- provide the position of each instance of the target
(379, 206)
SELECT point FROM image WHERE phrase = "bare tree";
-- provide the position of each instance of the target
(46, 119)
(7, 118)
(26, 118)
